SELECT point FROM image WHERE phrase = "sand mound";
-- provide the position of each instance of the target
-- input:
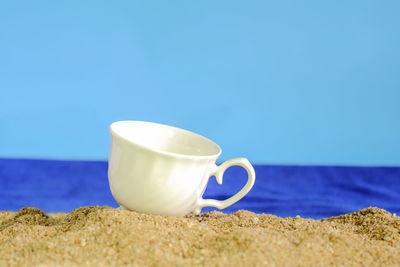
(103, 236)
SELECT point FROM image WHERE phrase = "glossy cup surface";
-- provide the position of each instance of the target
(159, 169)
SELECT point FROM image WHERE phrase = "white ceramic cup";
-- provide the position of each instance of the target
(159, 169)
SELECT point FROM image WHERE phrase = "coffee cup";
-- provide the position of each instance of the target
(160, 169)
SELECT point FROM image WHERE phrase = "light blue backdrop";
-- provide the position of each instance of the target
(307, 82)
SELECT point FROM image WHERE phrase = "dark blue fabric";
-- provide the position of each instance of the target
(308, 191)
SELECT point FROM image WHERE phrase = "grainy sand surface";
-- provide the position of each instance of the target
(103, 236)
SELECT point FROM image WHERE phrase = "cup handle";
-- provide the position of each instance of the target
(218, 172)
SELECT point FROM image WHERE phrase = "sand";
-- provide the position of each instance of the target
(103, 236)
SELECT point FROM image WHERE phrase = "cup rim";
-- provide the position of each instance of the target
(164, 152)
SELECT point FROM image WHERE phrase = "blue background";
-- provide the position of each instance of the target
(309, 191)
(303, 82)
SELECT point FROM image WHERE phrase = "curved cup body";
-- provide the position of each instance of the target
(147, 180)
